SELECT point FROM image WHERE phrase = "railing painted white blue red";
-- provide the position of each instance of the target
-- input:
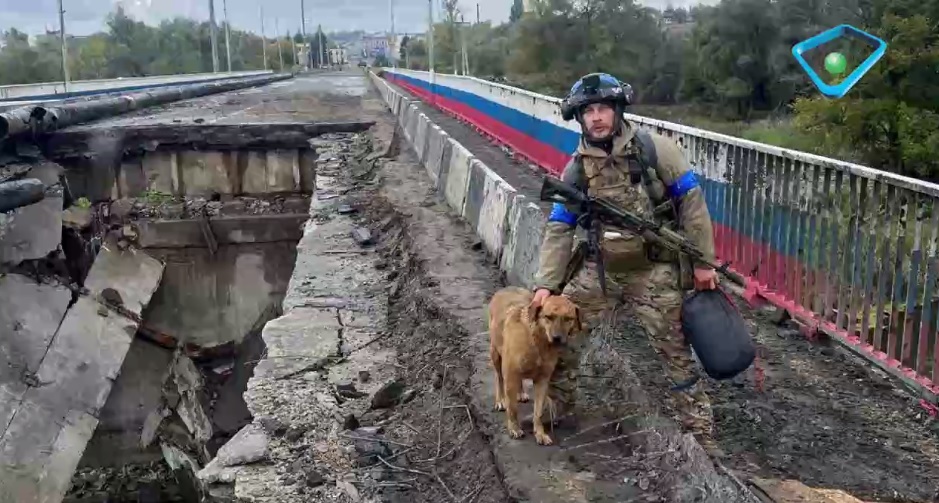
(846, 249)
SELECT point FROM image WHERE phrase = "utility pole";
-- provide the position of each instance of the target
(263, 38)
(477, 13)
(430, 38)
(280, 47)
(296, 56)
(213, 36)
(303, 32)
(227, 34)
(394, 57)
(321, 37)
(465, 61)
(65, 77)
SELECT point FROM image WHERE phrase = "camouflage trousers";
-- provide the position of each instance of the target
(652, 291)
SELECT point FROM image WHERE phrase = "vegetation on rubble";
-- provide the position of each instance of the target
(729, 68)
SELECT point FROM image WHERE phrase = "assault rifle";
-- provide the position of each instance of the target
(594, 209)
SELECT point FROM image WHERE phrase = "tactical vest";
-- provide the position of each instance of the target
(628, 178)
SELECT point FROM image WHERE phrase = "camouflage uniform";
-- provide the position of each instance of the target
(648, 278)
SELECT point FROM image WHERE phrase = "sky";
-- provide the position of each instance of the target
(83, 17)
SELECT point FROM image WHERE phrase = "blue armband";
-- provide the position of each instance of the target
(683, 185)
(560, 213)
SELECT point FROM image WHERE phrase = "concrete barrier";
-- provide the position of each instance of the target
(420, 137)
(498, 199)
(509, 226)
(455, 190)
(524, 232)
(436, 141)
(410, 127)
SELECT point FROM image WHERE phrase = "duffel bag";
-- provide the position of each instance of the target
(714, 328)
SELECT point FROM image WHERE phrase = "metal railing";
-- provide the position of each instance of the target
(848, 250)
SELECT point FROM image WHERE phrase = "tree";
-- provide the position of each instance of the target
(403, 51)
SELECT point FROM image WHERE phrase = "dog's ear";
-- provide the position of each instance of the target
(534, 312)
(578, 319)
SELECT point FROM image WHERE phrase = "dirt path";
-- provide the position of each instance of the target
(823, 417)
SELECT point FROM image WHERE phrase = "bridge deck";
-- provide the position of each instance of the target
(824, 417)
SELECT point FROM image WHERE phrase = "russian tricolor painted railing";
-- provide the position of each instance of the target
(832, 242)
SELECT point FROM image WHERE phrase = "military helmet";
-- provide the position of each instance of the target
(596, 88)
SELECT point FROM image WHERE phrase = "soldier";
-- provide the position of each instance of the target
(644, 173)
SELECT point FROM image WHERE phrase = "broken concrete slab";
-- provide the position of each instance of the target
(302, 339)
(57, 415)
(30, 314)
(247, 446)
(132, 274)
(227, 230)
(32, 231)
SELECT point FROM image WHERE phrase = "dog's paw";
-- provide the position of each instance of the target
(516, 432)
(499, 406)
(524, 398)
(543, 439)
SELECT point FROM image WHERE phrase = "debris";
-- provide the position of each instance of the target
(121, 208)
(408, 395)
(350, 422)
(345, 209)
(313, 478)
(388, 395)
(76, 217)
(362, 236)
(347, 390)
(247, 446)
(370, 446)
(364, 376)
(350, 490)
(295, 433)
(273, 426)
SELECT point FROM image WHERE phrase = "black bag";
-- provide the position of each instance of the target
(716, 331)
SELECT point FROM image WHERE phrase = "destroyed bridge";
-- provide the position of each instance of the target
(271, 288)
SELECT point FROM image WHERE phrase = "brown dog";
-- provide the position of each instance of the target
(525, 343)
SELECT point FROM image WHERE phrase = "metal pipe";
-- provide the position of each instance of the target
(280, 46)
(50, 118)
(19, 193)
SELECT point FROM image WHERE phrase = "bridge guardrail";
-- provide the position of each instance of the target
(56, 90)
(830, 241)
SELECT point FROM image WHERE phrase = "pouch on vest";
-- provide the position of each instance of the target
(714, 328)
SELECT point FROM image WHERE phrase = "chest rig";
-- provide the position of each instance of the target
(628, 178)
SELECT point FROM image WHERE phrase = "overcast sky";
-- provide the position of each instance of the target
(87, 16)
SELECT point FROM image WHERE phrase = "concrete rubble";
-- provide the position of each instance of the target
(53, 400)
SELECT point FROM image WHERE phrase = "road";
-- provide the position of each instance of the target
(399, 320)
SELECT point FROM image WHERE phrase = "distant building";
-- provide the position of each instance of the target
(376, 44)
(338, 56)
